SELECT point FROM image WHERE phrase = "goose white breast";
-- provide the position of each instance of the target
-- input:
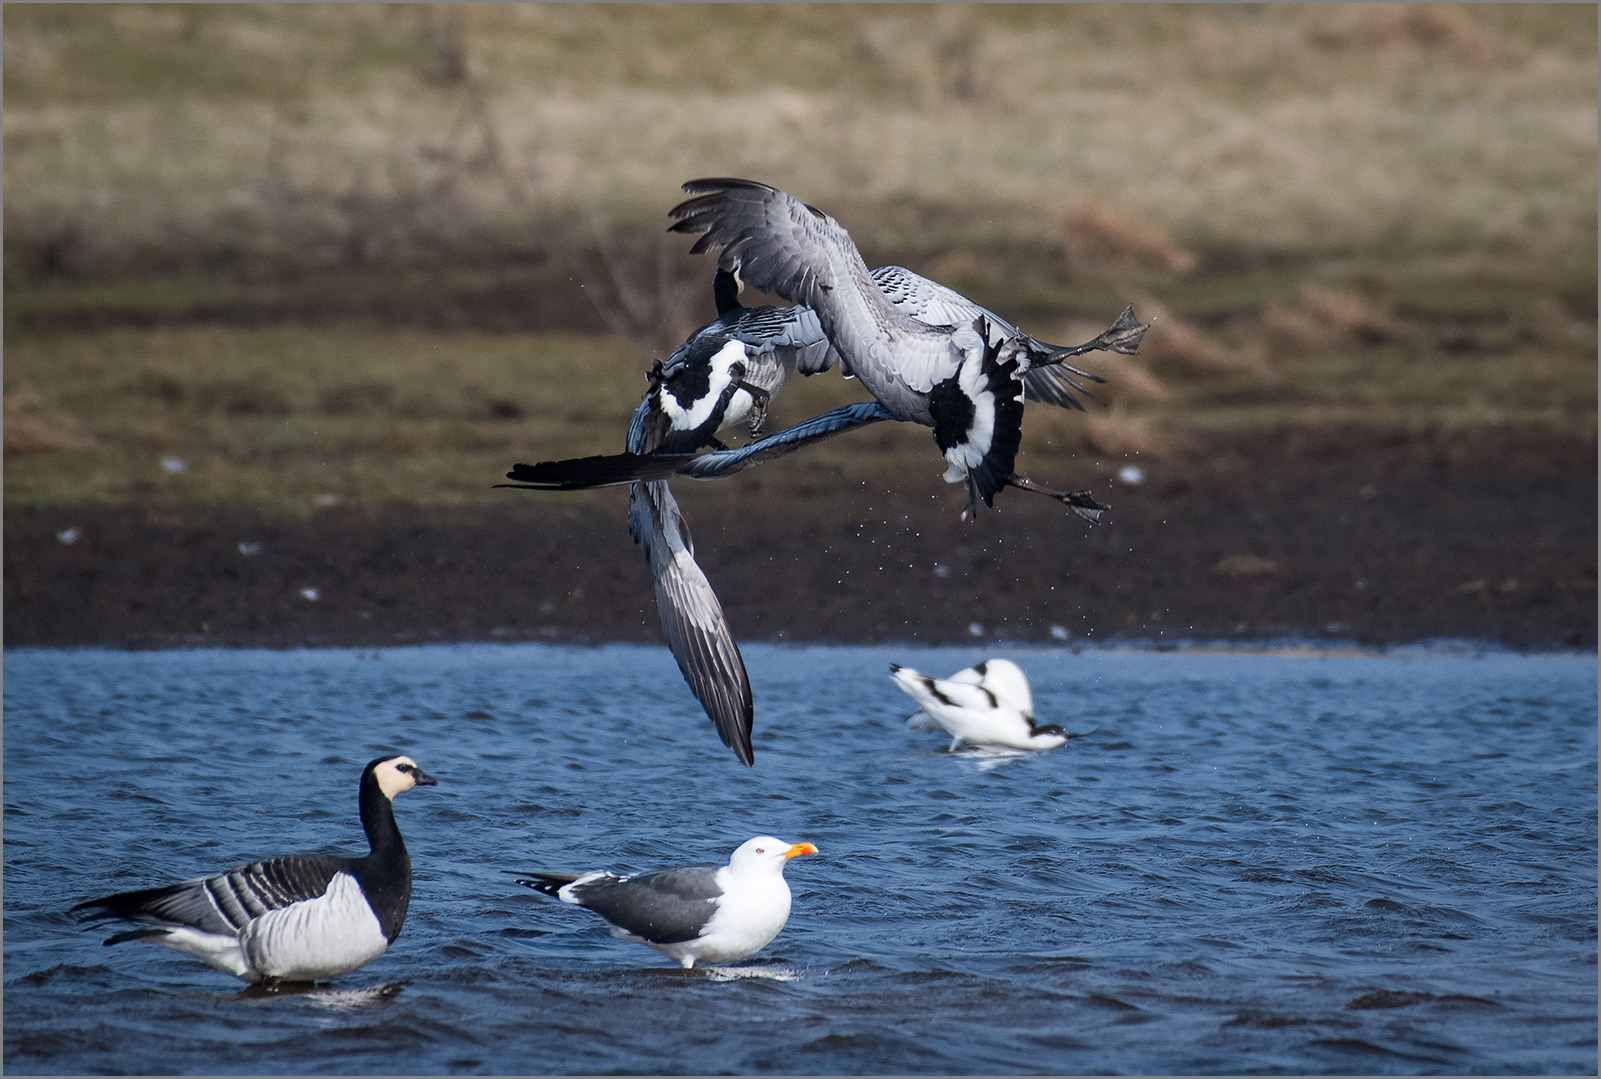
(296, 918)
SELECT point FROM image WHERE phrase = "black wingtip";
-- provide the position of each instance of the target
(602, 470)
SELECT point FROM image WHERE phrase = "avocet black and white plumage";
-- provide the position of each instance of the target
(987, 705)
(300, 918)
(695, 914)
(958, 379)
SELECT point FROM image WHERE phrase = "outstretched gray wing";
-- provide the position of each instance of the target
(785, 247)
(579, 473)
(691, 617)
(937, 305)
(712, 465)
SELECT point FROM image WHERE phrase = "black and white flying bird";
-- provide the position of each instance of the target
(723, 375)
(987, 705)
(696, 914)
(966, 379)
(726, 372)
(926, 301)
(300, 918)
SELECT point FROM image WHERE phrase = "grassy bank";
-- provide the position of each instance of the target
(350, 254)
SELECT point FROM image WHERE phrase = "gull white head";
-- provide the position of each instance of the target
(765, 854)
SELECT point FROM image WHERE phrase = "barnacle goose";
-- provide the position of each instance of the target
(695, 914)
(966, 380)
(987, 705)
(299, 918)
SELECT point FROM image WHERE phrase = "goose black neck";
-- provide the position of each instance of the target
(378, 820)
(725, 291)
(385, 874)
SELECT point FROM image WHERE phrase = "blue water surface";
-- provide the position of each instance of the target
(1253, 862)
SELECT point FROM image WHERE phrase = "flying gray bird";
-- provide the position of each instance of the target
(723, 375)
(965, 379)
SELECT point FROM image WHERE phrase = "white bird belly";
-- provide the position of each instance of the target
(316, 938)
(746, 921)
(215, 949)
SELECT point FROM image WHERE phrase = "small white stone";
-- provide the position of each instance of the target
(68, 536)
(1131, 474)
(174, 464)
(309, 593)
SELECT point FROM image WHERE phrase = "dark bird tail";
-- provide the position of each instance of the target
(605, 470)
(153, 932)
(547, 883)
(133, 906)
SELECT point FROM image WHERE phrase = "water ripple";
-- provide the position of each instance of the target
(1266, 863)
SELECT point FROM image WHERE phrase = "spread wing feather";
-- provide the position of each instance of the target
(691, 616)
(934, 303)
(782, 246)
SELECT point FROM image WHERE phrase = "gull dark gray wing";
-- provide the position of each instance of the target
(691, 616)
(668, 906)
(223, 902)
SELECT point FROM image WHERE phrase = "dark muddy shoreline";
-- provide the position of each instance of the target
(1334, 536)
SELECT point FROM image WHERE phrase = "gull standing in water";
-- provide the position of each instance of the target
(698, 913)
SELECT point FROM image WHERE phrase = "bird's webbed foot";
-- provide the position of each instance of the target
(758, 408)
(1080, 502)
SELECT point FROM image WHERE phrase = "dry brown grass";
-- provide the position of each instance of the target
(1358, 214)
(1324, 318)
(29, 433)
(1103, 240)
(310, 135)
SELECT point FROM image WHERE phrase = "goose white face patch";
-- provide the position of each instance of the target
(391, 779)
